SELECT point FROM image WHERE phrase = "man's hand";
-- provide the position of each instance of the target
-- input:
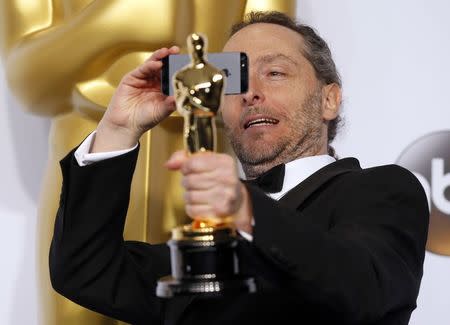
(137, 105)
(212, 187)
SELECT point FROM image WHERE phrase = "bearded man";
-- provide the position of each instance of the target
(330, 243)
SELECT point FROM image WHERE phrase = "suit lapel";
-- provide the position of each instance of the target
(296, 196)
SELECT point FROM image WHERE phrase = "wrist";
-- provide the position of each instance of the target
(112, 138)
(243, 217)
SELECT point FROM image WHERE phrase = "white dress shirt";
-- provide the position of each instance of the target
(296, 171)
(84, 157)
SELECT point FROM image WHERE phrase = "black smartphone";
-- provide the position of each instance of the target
(233, 64)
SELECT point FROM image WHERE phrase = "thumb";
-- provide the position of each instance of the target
(169, 104)
(176, 160)
(168, 107)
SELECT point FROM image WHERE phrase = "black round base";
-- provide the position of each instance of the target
(169, 287)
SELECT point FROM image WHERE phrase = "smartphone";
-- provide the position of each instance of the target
(233, 64)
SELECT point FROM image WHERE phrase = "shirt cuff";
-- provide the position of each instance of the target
(245, 235)
(85, 158)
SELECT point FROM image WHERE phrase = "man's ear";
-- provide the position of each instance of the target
(331, 101)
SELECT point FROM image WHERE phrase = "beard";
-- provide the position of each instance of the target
(303, 139)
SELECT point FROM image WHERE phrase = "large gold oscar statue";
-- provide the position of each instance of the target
(64, 58)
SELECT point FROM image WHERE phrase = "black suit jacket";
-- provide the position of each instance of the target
(345, 246)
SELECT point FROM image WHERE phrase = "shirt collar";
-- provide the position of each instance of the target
(300, 169)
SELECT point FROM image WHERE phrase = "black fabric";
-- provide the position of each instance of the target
(271, 181)
(346, 246)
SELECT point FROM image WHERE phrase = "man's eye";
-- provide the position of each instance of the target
(276, 74)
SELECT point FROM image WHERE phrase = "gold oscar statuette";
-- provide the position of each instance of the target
(203, 253)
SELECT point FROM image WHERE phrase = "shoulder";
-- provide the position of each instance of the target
(387, 195)
(386, 174)
(387, 180)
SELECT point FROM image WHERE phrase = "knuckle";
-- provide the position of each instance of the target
(187, 167)
(197, 211)
(189, 210)
(186, 181)
(221, 209)
(187, 197)
(193, 164)
(229, 194)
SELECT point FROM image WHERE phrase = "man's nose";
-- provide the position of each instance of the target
(255, 94)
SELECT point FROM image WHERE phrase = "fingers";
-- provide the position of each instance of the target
(177, 159)
(160, 54)
(211, 183)
(200, 211)
(199, 197)
(163, 52)
(198, 163)
(169, 104)
(154, 63)
(207, 161)
(199, 181)
(148, 68)
(219, 201)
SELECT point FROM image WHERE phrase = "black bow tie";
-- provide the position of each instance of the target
(271, 181)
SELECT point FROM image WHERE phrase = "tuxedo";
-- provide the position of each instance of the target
(345, 246)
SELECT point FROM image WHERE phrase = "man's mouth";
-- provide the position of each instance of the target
(260, 122)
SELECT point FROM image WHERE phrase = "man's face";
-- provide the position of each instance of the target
(279, 118)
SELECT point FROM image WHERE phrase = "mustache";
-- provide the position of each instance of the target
(252, 110)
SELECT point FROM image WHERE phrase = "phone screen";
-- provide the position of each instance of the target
(233, 64)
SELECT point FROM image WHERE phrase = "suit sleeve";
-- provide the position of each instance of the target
(369, 260)
(90, 263)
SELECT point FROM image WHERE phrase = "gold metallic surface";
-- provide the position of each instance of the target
(64, 58)
(208, 234)
(198, 89)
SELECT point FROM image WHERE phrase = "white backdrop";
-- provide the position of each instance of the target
(394, 60)
(23, 145)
